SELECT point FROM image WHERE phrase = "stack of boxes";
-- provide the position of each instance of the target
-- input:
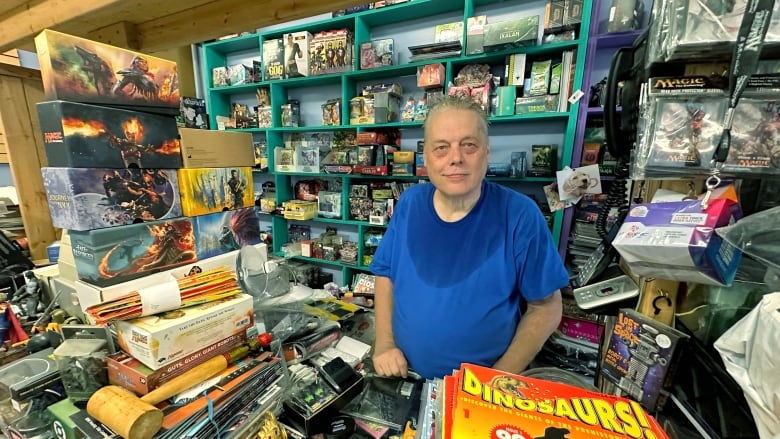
(138, 204)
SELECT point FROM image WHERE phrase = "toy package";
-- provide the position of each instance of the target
(89, 136)
(296, 54)
(331, 52)
(88, 198)
(106, 257)
(209, 190)
(376, 53)
(273, 59)
(79, 70)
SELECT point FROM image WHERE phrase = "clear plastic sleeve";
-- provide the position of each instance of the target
(758, 236)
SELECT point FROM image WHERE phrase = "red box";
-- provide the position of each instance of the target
(372, 170)
(431, 75)
(126, 371)
(389, 137)
(79, 70)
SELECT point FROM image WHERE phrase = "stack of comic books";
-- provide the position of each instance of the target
(480, 402)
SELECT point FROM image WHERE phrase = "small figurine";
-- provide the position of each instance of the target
(407, 115)
(421, 110)
(32, 291)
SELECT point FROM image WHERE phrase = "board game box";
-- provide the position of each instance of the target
(222, 232)
(79, 70)
(481, 402)
(209, 190)
(331, 52)
(511, 33)
(90, 136)
(641, 357)
(89, 198)
(106, 257)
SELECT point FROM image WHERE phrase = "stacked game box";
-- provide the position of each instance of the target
(112, 146)
(124, 180)
(130, 189)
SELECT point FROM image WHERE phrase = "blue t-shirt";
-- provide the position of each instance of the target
(457, 286)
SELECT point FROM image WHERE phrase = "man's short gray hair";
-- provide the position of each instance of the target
(451, 102)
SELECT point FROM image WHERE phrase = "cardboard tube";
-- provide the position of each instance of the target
(122, 411)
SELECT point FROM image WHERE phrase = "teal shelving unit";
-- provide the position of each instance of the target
(417, 15)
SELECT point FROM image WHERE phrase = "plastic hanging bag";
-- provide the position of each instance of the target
(749, 353)
(758, 236)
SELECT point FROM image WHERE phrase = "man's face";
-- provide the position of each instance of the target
(456, 152)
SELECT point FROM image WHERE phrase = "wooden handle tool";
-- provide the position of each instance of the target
(137, 418)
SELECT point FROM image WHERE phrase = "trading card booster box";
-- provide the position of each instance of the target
(89, 136)
(88, 198)
(106, 257)
(210, 190)
(222, 232)
(80, 70)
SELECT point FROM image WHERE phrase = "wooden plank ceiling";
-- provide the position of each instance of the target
(149, 25)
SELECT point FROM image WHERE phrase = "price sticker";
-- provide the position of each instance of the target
(508, 432)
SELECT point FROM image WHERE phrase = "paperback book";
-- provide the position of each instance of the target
(641, 358)
(481, 402)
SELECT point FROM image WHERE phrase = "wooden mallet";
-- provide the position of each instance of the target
(137, 418)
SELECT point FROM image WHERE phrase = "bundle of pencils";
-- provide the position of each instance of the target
(193, 289)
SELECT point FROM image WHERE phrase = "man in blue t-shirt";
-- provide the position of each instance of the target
(458, 257)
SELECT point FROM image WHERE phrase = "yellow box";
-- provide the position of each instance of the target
(161, 339)
(211, 190)
(403, 157)
(300, 210)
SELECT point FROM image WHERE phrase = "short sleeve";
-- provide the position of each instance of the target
(540, 267)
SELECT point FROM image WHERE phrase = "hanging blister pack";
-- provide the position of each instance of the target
(686, 115)
(701, 29)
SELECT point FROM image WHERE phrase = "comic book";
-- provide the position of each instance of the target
(489, 403)
(641, 357)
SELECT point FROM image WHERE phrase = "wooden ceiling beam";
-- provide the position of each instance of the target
(121, 34)
(217, 18)
(18, 29)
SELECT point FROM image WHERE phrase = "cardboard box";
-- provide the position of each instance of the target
(215, 149)
(511, 33)
(89, 136)
(158, 340)
(296, 54)
(88, 199)
(222, 232)
(331, 52)
(89, 294)
(209, 190)
(126, 371)
(79, 70)
(118, 254)
(677, 241)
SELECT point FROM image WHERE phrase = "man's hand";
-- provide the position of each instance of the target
(390, 362)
